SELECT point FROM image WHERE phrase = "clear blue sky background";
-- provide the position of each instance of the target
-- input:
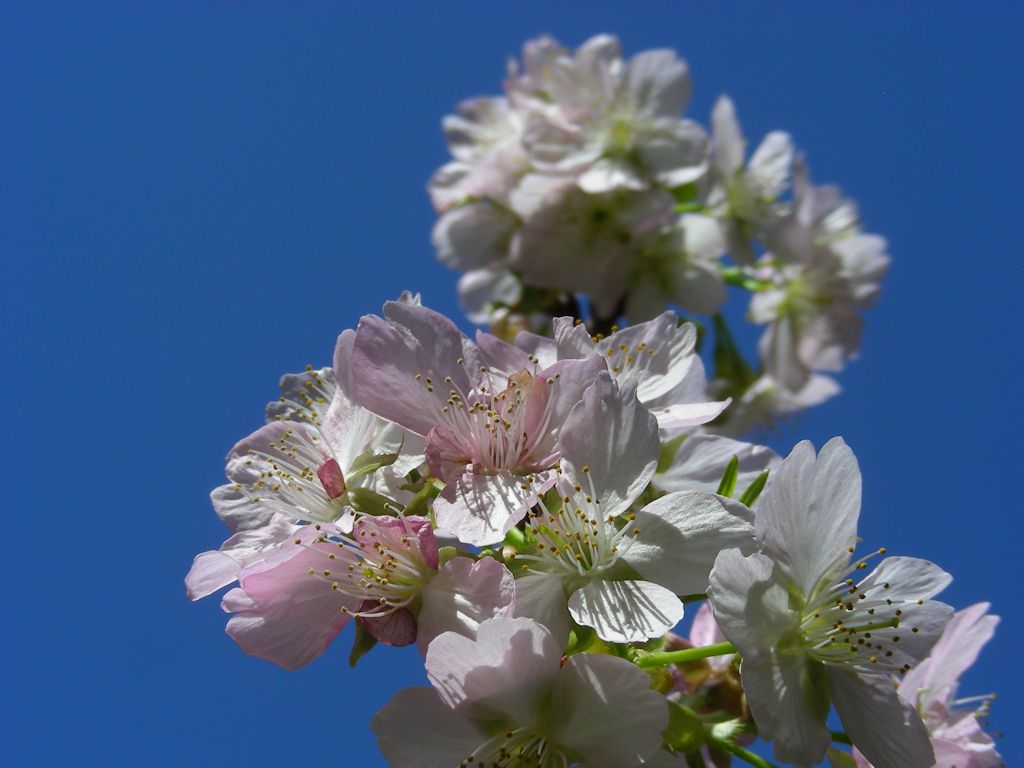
(197, 197)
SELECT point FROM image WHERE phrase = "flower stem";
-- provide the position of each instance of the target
(737, 751)
(841, 738)
(736, 276)
(664, 658)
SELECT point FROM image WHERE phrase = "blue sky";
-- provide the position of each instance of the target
(199, 197)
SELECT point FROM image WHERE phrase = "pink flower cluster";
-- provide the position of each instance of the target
(534, 508)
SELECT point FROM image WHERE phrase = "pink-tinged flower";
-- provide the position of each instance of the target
(811, 630)
(300, 467)
(484, 139)
(386, 571)
(505, 699)
(657, 359)
(593, 557)
(823, 270)
(746, 198)
(609, 123)
(491, 436)
(931, 687)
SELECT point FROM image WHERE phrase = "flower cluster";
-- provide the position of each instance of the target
(535, 510)
(585, 183)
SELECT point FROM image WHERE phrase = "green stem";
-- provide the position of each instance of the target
(736, 276)
(743, 754)
(664, 658)
(841, 738)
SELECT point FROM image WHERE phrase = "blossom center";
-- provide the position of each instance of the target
(858, 624)
(382, 572)
(286, 481)
(498, 431)
(523, 747)
(577, 539)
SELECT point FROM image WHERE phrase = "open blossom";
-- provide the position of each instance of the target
(504, 699)
(611, 568)
(931, 687)
(584, 243)
(746, 198)
(301, 467)
(491, 436)
(657, 359)
(386, 571)
(610, 123)
(766, 402)
(484, 139)
(811, 630)
(822, 271)
(565, 183)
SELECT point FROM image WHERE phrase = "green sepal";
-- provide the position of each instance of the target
(839, 759)
(420, 505)
(685, 731)
(515, 538)
(362, 643)
(368, 463)
(370, 502)
(446, 554)
(686, 197)
(728, 484)
(754, 489)
(668, 453)
(580, 640)
(662, 679)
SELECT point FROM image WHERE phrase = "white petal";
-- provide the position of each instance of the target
(501, 675)
(660, 82)
(701, 460)
(658, 355)
(212, 570)
(789, 703)
(606, 711)
(472, 236)
(480, 289)
(881, 725)
(626, 611)
(572, 339)
(612, 434)
(681, 534)
(480, 509)
(771, 165)
(676, 150)
(689, 414)
(541, 597)
(416, 730)
(751, 606)
(807, 515)
(348, 429)
(463, 594)
(608, 175)
(698, 287)
(779, 352)
(729, 144)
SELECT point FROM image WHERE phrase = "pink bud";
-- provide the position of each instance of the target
(332, 478)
